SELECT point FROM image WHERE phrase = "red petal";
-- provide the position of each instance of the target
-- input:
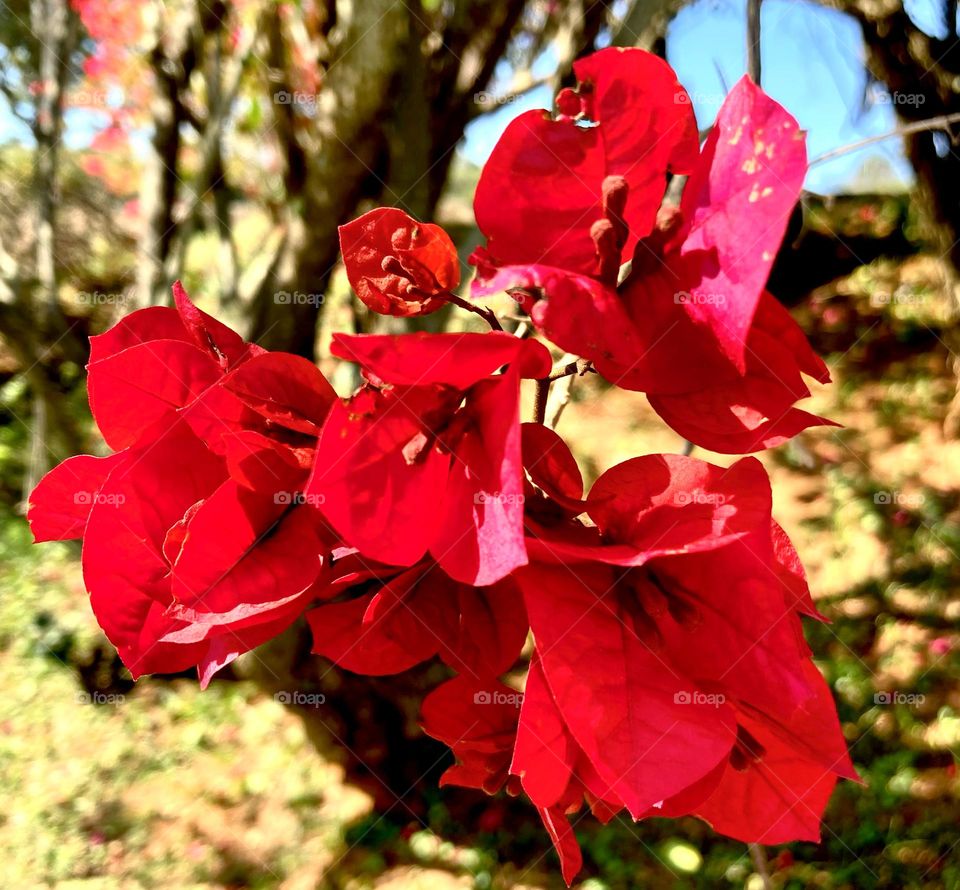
(576, 313)
(736, 205)
(663, 503)
(792, 575)
(142, 326)
(285, 389)
(457, 360)
(545, 753)
(246, 554)
(223, 345)
(365, 486)
(780, 327)
(480, 538)
(744, 640)
(62, 500)
(423, 258)
(623, 704)
(389, 631)
(223, 649)
(564, 841)
(481, 713)
(262, 464)
(144, 385)
(540, 190)
(123, 564)
(782, 797)
(489, 632)
(732, 419)
(551, 465)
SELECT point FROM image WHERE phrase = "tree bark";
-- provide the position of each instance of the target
(339, 153)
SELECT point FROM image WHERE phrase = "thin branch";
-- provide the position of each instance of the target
(579, 367)
(540, 400)
(753, 40)
(488, 315)
(760, 861)
(934, 123)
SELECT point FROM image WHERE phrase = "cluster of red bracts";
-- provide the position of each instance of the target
(667, 670)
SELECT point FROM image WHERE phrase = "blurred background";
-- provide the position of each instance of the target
(223, 143)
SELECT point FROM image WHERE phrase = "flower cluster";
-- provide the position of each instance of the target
(657, 616)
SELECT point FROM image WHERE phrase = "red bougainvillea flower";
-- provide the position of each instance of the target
(399, 266)
(426, 456)
(197, 542)
(653, 689)
(692, 326)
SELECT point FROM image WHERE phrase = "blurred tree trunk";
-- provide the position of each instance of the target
(922, 74)
(338, 156)
(53, 433)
